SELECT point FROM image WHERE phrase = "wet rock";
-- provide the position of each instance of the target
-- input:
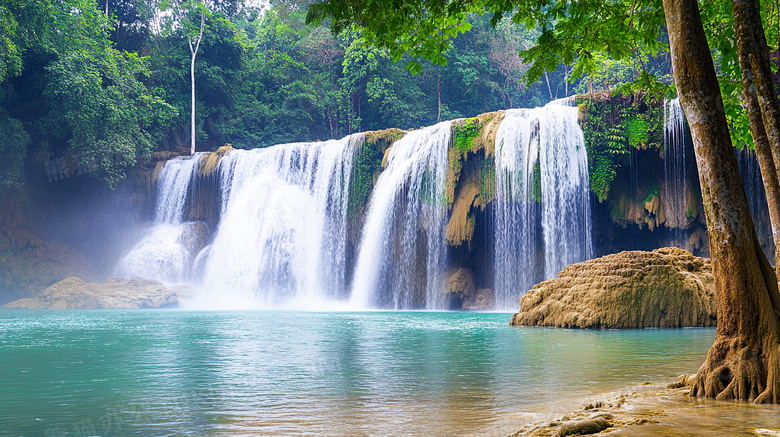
(460, 284)
(665, 288)
(194, 237)
(584, 427)
(74, 293)
(483, 299)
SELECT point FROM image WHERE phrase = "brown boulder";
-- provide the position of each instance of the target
(665, 288)
(73, 293)
(460, 283)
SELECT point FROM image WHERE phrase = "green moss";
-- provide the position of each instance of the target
(537, 181)
(466, 133)
(620, 210)
(367, 165)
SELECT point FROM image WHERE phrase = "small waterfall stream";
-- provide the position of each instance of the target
(402, 254)
(675, 177)
(166, 252)
(542, 219)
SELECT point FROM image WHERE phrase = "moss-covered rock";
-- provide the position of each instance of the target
(665, 288)
(472, 138)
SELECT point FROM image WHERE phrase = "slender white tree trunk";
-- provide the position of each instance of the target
(192, 114)
(194, 51)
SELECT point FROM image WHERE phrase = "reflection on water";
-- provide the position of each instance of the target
(119, 373)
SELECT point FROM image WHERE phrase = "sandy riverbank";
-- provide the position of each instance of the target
(655, 410)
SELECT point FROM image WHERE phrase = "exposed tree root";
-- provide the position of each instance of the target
(738, 369)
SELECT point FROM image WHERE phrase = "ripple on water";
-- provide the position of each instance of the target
(284, 372)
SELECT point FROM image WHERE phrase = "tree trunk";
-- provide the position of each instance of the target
(746, 43)
(744, 362)
(438, 89)
(547, 79)
(192, 112)
(194, 52)
(748, 13)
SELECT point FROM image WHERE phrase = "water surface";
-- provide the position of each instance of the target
(118, 373)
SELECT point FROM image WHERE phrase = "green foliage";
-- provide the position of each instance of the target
(10, 52)
(466, 133)
(637, 131)
(610, 127)
(13, 150)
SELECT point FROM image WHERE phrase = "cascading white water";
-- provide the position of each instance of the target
(402, 254)
(282, 235)
(167, 250)
(542, 219)
(675, 177)
(173, 186)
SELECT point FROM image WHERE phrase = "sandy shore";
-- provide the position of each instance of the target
(655, 410)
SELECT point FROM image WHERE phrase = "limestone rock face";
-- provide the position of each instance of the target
(665, 288)
(73, 293)
(460, 283)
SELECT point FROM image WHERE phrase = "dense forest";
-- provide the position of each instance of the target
(97, 86)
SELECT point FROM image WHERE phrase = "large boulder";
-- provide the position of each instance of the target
(665, 288)
(73, 293)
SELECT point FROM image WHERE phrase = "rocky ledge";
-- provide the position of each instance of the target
(665, 288)
(116, 293)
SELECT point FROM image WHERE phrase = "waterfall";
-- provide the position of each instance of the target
(173, 186)
(167, 250)
(750, 174)
(675, 178)
(282, 237)
(402, 254)
(542, 219)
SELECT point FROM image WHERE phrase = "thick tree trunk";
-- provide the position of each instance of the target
(744, 362)
(744, 31)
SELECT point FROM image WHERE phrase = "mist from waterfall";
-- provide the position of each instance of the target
(402, 257)
(166, 252)
(542, 218)
(281, 240)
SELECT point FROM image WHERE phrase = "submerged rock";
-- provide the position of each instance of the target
(665, 288)
(482, 300)
(584, 427)
(73, 293)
